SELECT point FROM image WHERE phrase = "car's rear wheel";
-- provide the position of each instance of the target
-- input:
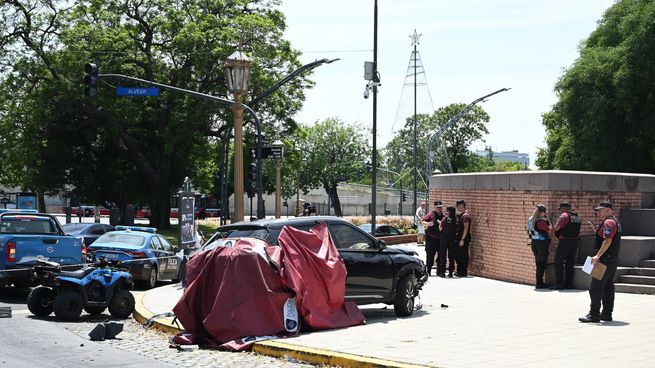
(180, 273)
(151, 281)
(404, 303)
(122, 304)
(40, 300)
(68, 305)
(94, 311)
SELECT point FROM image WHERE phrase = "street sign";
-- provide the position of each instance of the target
(268, 152)
(135, 91)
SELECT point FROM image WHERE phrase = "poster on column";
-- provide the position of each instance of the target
(186, 217)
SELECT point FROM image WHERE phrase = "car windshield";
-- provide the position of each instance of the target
(27, 225)
(127, 239)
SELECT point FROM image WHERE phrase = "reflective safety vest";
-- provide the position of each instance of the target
(534, 233)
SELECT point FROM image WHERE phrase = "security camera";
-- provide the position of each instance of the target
(367, 92)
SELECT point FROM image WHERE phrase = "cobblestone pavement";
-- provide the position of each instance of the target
(155, 344)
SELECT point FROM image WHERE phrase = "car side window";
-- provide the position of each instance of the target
(393, 231)
(108, 228)
(347, 237)
(155, 244)
(97, 230)
(165, 244)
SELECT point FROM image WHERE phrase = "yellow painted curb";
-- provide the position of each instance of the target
(142, 314)
(277, 348)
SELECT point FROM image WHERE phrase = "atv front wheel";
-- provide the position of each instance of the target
(68, 305)
(39, 302)
(122, 304)
(94, 311)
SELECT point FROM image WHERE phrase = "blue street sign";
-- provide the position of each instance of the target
(136, 91)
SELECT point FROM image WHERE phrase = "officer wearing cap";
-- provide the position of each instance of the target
(464, 236)
(539, 229)
(432, 223)
(567, 230)
(449, 242)
(608, 245)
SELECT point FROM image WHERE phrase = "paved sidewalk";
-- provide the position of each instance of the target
(488, 323)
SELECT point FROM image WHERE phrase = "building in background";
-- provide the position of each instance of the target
(506, 156)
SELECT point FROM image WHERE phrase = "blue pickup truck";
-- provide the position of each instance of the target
(26, 236)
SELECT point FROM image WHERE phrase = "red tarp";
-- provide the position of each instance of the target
(240, 291)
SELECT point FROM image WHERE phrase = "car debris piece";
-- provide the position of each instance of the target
(5, 312)
(105, 331)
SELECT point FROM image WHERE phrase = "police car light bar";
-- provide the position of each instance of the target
(137, 228)
(17, 210)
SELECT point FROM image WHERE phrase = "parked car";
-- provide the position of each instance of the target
(149, 255)
(25, 237)
(381, 230)
(376, 273)
(89, 231)
(86, 211)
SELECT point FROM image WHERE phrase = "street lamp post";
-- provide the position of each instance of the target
(237, 74)
(278, 181)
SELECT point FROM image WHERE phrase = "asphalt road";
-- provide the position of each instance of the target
(28, 341)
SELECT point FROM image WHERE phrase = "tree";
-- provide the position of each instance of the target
(155, 142)
(457, 140)
(332, 152)
(487, 164)
(604, 118)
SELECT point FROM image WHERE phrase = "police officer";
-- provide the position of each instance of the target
(464, 237)
(539, 229)
(567, 230)
(448, 244)
(608, 245)
(432, 223)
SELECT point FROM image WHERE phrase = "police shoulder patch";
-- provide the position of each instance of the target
(607, 230)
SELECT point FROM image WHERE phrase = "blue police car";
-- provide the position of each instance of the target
(149, 255)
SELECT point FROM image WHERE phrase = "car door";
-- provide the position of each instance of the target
(160, 254)
(170, 262)
(370, 270)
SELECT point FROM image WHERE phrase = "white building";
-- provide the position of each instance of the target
(507, 156)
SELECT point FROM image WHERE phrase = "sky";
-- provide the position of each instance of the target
(469, 48)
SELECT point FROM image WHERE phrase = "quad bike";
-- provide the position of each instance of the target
(92, 288)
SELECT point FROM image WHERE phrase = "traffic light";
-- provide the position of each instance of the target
(404, 197)
(252, 175)
(91, 79)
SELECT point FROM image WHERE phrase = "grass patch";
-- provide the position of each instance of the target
(208, 228)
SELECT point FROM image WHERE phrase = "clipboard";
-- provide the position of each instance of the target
(598, 271)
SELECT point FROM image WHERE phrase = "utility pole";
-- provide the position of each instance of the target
(415, 40)
(376, 81)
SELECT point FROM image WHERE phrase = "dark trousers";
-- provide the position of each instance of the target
(540, 251)
(564, 261)
(463, 258)
(445, 244)
(431, 248)
(453, 247)
(602, 291)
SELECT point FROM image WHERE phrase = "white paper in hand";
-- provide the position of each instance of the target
(588, 266)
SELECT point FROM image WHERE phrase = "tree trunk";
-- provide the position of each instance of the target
(41, 202)
(331, 190)
(160, 215)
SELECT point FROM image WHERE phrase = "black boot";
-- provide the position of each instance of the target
(607, 317)
(589, 318)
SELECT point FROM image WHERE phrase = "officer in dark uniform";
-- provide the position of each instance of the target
(448, 243)
(464, 235)
(432, 222)
(567, 229)
(539, 230)
(608, 245)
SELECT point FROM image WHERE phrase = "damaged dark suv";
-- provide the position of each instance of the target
(376, 273)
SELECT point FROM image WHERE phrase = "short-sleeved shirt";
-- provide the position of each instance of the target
(542, 226)
(608, 229)
(563, 220)
(465, 218)
(433, 231)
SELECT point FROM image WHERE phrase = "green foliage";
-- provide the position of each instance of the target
(486, 164)
(604, 119)
(456, 140)
(122, 150)
(332, 152)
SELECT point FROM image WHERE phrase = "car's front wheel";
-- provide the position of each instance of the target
(404, 303)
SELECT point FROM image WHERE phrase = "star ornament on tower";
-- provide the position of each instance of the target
(415, 38)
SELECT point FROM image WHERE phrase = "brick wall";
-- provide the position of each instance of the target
(499, 248)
